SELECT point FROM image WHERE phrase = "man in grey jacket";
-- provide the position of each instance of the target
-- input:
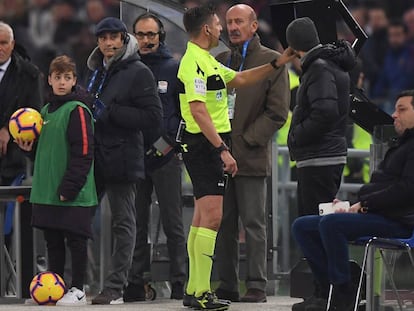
(256, 113)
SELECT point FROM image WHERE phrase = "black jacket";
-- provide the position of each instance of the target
(165, 68)
(131, 105)
(322, 103)
(21, 86)
(391, 189)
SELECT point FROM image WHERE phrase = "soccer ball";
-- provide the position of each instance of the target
(25, 124)
(47, 288)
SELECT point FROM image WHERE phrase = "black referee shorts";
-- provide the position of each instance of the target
(204, 164)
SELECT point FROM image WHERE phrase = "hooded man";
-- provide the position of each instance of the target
(316, 137)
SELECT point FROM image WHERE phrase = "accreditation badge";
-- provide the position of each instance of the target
(231, 102)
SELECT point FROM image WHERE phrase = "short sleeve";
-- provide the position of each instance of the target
(194, 80)
(228, 74)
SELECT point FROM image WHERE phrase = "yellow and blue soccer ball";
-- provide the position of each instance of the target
(25, 124)
(47, 288)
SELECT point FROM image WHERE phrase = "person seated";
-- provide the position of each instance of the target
(385, 208)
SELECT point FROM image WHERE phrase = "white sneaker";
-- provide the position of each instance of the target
(74, 297)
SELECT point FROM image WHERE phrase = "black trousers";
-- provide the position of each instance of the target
(56, 251)
(317, 184)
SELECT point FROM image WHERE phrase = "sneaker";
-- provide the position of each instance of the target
(134, 292)
(108, 296)
(209, 301)
(73, 297)
(177, 291)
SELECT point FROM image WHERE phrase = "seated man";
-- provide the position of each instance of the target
(385, 208)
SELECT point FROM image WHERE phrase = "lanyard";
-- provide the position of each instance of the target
(244, 54)
(92, 82)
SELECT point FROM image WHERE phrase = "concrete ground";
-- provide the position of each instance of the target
(274, 303)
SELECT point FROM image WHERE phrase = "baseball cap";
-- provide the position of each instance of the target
(110, 24)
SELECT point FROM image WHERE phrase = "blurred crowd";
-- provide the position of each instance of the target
(46, 28)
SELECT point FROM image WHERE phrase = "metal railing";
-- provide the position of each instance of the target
(283, 188)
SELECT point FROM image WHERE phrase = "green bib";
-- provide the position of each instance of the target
(52, 157)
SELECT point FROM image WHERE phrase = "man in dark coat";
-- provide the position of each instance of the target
(21, 85)
(385, 208)
(126, 103)
(316, 137)
(162, 167)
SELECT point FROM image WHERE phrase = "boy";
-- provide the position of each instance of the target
(63, 191)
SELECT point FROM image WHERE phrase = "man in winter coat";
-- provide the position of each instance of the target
(21, 85)
(126, 102)
(384, 209)
(316, 137)
(256, 112)
(162, 167)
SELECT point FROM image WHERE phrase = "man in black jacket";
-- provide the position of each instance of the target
(126, 103)
(162, 165)
(385, 208)
(21, 85)
(317, 133)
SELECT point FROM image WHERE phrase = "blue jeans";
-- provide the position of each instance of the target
(324, 240)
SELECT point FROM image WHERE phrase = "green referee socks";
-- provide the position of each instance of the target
(204, 244)
(191, 284)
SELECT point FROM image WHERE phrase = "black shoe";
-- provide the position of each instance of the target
(134, 292)
(227, 294)
(177, 291)
(209, 301)
(109, 296)
(343, 297)
(188, 300)
(310, 304)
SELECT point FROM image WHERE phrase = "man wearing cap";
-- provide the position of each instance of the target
(317, 133)
(126, 102)
(316, 137)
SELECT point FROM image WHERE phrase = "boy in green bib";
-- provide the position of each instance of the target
(63, 190)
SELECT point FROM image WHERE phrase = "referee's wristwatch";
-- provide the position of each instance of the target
(222, 147)
(363, 209)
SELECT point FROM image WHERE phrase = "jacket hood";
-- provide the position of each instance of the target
(162, 53)
(95, 59)
(340, 53)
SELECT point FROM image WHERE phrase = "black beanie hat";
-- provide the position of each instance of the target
(301, 34)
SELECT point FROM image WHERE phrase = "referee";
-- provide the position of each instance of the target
(207, 157)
